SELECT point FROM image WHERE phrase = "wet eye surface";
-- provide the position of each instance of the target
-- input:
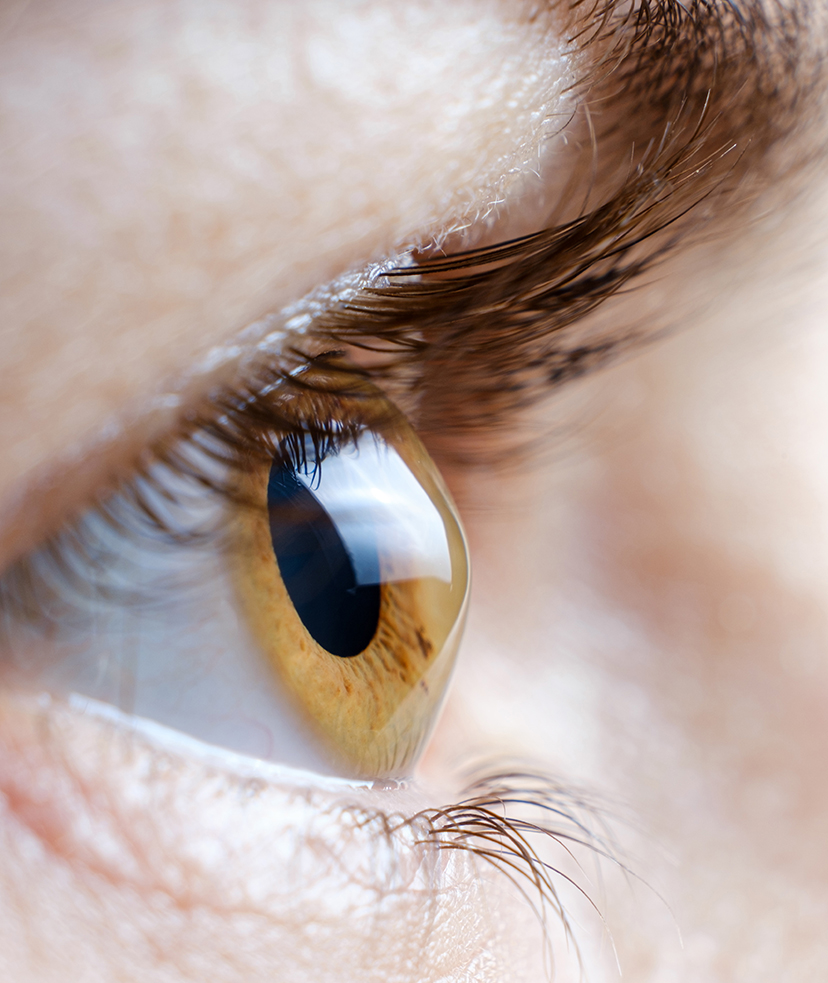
(326, 551)
(288, 582)
(352, 572)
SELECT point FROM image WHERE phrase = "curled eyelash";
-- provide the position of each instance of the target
(683, 103)
(487, 826)
(516, 822)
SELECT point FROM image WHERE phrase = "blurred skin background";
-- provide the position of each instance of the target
(649, 540)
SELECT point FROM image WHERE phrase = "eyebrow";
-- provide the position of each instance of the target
(683, 105)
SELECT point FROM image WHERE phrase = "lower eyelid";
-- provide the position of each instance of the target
(242, 767)
(141, 814)
(181, 848)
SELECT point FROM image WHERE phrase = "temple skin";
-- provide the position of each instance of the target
(648, 617)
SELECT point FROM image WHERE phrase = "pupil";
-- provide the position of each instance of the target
(317, 568)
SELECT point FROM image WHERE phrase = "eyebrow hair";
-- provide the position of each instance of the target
(683, 104)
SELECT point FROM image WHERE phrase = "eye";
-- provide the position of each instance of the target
(332, 579)
(352, 573)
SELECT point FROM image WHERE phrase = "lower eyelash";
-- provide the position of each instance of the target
(509, 820)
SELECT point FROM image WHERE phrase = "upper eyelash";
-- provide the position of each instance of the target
(702, 79)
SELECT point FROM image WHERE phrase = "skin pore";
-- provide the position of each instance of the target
(648, 617)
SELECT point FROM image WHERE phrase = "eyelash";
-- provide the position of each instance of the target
(705, 90)
(509, 820)
(297, 415)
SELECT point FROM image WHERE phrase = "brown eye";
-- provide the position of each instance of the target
(353, 574)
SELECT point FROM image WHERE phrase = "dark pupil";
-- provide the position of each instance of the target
(317, 568)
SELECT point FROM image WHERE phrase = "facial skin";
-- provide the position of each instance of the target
(648, 615)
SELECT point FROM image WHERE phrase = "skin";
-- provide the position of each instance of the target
(648, 615)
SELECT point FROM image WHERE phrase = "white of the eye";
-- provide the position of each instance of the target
(184, 660)
(378, 505)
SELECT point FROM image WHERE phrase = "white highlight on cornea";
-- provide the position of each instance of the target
(378, 504)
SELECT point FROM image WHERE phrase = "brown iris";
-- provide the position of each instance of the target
(353, 575)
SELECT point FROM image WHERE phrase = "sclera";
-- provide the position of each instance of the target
(373, 711)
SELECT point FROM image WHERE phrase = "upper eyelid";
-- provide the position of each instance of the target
(752, 43)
